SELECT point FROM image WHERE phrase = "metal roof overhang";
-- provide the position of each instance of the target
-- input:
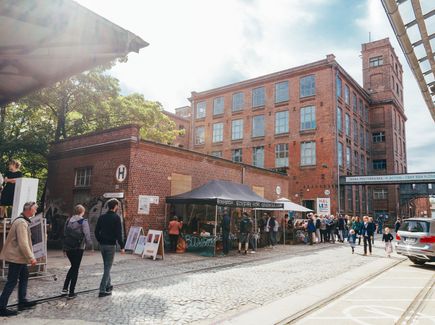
(425, 79)
(44, 41)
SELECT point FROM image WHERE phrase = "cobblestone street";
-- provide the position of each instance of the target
(187, 288)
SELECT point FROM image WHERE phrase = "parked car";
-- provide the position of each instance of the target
(416, 240)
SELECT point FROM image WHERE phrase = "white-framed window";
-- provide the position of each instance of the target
(338, 85)
(307, 86)
(258, 126)
(281, 92)
(340, 154)
(346, 94)
(199, 135)
(201, 109)
(258, 156)
(237, 129)
(258, 97)
(347, 124)
(380, 194)
(218, 105)
(348, 157)
(238, 101)
(281, 155)
(308, 153)
(378, 137)
(339, 119)
(236, 155)
(218, 132)
(281, 122)
(82, 177)
(308, 118)
(376, 61)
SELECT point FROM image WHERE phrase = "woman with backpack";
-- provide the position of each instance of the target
(76, 236)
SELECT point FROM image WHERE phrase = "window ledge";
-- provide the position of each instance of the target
(237, 140)
(218, 115)
(283, 103)
(217, 143)
(258, 108)
(282, 135)
(240, 111)
(307, 98)
(307, 132)
(198, 145)
(307, 166)
(200, 118)
(78, 188)
(258, 138)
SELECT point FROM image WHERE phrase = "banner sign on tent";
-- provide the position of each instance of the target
(133, 237)
(248, 204)
(154, 245)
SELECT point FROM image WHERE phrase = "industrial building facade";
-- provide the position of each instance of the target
(315, 123)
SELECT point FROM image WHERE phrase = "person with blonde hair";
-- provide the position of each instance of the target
(388, 238)
(7, 194)
(76, 236)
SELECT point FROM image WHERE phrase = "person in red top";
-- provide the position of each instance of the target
(174, 232)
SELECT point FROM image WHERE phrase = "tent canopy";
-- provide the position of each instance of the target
(288, 206)
(42, 42)
(223, 193)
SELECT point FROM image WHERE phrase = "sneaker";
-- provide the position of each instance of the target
(8, 312)
(64, 292)
(104, 294)
(253, 252)
(26, 305)
(71, 296)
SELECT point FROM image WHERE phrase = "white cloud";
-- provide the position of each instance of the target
(197, 44)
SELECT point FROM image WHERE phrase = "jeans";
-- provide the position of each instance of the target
(340, 235)
(16, 272)
(310, 237)
(75, 258)
(174, 240)
(322, 235)
(318, 236)
(274, 241)
(253, 242)
(367, 240)
(108, 254)
(226, 242)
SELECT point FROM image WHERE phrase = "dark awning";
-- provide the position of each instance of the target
(223, 193)
(42, 42)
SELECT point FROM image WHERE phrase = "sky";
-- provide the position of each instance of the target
(196, 45)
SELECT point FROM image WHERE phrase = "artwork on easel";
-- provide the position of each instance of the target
(133, 236)
(154, 245)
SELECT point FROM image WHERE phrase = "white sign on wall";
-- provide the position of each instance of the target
(323, 205)
(26, 190)
(121, 173)
(37, 230)
(144, 203)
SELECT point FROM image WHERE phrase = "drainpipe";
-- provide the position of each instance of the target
(243, 174)
(334, 85)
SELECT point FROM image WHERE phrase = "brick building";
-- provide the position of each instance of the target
(82, 169)
(182, 122)
(315, 123)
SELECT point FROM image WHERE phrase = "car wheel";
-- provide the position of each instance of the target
(417, 261)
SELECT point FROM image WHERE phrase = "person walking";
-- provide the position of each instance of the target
(76, 236)
(270, 224)
(341, 225)
(397, 225)
(311, 229)
(373, 227)
(275, 230)
(322, 229)
(245, 232)
(226, 222)
(357, 226)
(352, 240)
(388, 238)
(174, 229)
(317, 224)
(17, 251)
(9, 180)
(367, 232)
(334, 225)
(108, 231)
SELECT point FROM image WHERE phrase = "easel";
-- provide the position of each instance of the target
(41, 265)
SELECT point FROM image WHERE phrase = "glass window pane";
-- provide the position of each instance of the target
(218, 132)
(281, 92)
(258, 156)
(308, 118)
(238, 101)
(258, 126)
(218, 106)
(307, 86)
(200, 109)
(258, 97)
(237, 130)
(281, 122)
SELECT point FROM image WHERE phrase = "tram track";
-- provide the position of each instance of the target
(186, 272)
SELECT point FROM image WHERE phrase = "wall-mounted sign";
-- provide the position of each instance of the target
(278, 190)
(144, 203)
(389, 179)
(327, 192)
(323, 205)
(115, 195)
(121, 173)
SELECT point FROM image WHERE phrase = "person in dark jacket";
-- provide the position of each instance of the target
(397, 225)
(226, 221)
(108, 231)
(367, 232)
(8, 191)
(311, 229)
(341, 226)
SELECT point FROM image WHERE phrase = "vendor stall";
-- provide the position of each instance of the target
(203, 209)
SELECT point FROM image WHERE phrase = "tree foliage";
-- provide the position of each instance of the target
(87, 102)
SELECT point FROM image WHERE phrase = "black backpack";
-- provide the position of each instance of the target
(245, 226)
(73, 238)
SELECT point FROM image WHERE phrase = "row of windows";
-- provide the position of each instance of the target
(308, 122)
(357, 104)
(358, 160)
(308, 155)
(359, 135)
(307, 87)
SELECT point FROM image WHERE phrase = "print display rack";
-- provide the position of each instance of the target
(40, 269)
